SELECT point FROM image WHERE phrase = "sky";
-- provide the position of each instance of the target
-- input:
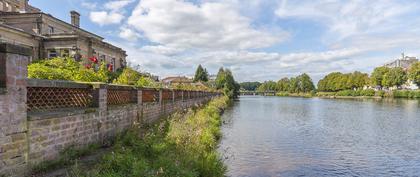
(257, 39)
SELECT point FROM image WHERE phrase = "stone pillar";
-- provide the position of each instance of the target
(139, 106)
(100, 94)
(13, 114)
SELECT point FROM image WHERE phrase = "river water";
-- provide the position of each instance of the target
(284, 136)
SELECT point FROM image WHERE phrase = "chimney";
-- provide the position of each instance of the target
(23, 4)
(75, 18)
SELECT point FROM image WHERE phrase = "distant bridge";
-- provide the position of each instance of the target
(254, 93)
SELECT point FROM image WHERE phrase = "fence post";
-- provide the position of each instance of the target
(139, 105)
(13, 112)
(100, 101)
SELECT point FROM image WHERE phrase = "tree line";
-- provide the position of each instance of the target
(300, 84)
(381, 77)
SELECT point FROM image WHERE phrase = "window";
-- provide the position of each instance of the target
(103, 58)
(52, 53)
(50, 30)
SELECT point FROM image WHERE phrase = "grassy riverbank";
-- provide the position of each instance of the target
(183, 145)
(357, 94)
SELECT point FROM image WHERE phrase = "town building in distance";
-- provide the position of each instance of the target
(50, 37)
(404, 62)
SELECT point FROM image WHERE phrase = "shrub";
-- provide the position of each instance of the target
(66, 69)
(367, 92)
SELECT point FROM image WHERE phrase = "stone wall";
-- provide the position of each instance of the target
(40, 118)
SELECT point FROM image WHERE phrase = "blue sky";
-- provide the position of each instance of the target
(257, 39)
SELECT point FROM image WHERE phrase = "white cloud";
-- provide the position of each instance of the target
(117, 5)
(211, 25)
(129, 34)
(348, 17)
(89, 5)
(106, 18)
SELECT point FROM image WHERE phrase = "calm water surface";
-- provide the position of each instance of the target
(280, 136)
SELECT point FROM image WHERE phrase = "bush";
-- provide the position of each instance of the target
(406, 94)
(380, 93)
(367, 92)
(66, 69)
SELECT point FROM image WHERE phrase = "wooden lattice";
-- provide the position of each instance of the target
(120, 97)
(167, 95)
(47, 98)
(178, 95)
(150, 96)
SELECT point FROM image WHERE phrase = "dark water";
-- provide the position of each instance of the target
(280, 136)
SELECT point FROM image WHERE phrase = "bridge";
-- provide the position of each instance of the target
(254, 93)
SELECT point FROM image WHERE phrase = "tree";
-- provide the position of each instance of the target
(378, 74)
(294, 85)
(220, 78)
(128, 77)
(414, 73)
(231, 88)
(268, 86)
(201, 74)
(283, 84)
(305, 83)
(250, 86)
(394, 77)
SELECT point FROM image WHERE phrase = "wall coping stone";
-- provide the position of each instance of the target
(114, 107)
(121, 87)
(15, 49)
(60, 113)
(56, 83)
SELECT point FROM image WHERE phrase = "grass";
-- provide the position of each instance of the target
(68, 156)
(372, 93)
(288, 94)
(183, 145)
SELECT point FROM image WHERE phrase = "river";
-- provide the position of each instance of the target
(285, 136)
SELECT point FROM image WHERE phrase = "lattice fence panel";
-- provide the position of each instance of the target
(47, 98)
(120, 97)
(178, 95)
(150, 96)
(166, 95)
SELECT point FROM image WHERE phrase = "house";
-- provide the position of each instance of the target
(404, 62)
(50, 37)
(176, 80)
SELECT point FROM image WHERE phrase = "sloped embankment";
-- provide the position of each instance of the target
(183, 145)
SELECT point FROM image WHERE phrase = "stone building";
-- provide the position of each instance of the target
(50, 37)
(404, 62)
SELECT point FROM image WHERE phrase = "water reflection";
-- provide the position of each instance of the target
(279, 136)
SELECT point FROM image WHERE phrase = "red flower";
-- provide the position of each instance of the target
(93, 59)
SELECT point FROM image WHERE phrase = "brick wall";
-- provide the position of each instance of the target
(39, 118)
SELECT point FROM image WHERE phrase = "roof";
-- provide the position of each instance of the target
(177, 79)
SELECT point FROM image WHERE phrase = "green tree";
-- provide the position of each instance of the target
(231, 88)
(378, 74)
(128, 77)
(201, 74)
(250, 86)
(220, 78)
(268, 86)
(294, 85)
(414, 73)
(283, 84)
(395, 77)
(305, 83)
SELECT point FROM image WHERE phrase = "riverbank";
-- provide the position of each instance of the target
(182, 145)
(356, 94)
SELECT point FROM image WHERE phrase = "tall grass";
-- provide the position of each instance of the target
(184, 146)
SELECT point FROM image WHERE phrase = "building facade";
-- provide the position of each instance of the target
(50, 37)
(404, 62)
